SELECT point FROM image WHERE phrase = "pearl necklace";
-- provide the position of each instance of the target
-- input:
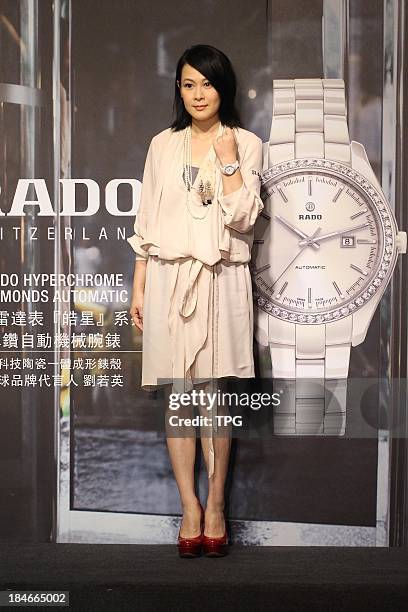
(206, 187)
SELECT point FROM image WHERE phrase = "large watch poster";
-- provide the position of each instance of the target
(85, 86)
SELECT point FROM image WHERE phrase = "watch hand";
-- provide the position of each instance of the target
(297, 231)
(338, 233)
(297, 255)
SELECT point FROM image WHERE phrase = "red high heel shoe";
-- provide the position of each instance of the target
(191, 547)
(215, 547)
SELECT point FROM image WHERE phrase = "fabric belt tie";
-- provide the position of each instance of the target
(189, 299)
(187, 305)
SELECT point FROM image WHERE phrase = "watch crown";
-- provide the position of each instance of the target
(401, 242)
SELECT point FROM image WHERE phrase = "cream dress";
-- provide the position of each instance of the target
(198, 308)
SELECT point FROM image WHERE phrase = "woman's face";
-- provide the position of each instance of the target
(200, 98)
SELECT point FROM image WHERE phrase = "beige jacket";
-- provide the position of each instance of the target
(163, 224)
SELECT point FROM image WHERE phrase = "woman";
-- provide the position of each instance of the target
(192, 294)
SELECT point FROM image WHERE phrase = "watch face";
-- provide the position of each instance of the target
(324, 243)
(229, 170)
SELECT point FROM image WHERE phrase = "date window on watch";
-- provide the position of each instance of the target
(348, 241)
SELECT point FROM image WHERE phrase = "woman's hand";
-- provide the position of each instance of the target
(136, 309)
(136, 306)
(226, 147)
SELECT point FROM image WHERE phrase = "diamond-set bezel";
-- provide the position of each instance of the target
(389, 251)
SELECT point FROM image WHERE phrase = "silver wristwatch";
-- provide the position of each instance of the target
(327, 241)
(230, 169)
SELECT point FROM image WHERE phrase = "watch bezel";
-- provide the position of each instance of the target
(386, 260)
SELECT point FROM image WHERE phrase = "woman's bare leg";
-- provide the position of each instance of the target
(214, 513)
(182, 451)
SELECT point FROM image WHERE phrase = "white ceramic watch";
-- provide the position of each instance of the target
(327, 241)
(230, 169)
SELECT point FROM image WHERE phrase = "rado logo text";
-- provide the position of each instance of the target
(41, 202)
(310, 217)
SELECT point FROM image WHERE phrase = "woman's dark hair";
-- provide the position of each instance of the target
(217, 68)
